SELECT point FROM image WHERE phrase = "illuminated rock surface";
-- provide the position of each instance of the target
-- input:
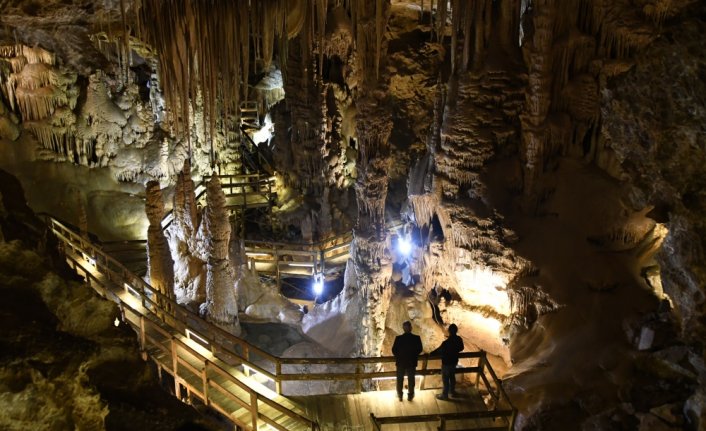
(544, 160)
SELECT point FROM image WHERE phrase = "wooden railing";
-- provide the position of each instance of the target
(278, 258)
(229, 349)
(257, 188)
(160, 312)
(253, 185)
(500, 413)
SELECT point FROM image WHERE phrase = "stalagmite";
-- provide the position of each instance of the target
(221, 305)
(159, 260)
(189, 284)
(185, 213)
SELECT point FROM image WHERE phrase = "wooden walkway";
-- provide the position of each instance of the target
(245, 383)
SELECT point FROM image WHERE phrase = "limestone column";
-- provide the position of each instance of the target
(160, 265)
(374, 124)
(221, 305)
(537, 99)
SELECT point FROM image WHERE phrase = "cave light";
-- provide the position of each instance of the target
(116, 322)
(318, 286)
(404, 246)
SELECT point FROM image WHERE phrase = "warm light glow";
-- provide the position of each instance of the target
(131, 290)
(116, 322)
(258, 254)
(484, 287)
(301, 264)
(394, 378)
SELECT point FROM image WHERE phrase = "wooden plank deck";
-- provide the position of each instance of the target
(352, 412)
(231, 390)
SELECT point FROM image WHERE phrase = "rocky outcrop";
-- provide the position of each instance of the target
(652, 136)
(88, 117)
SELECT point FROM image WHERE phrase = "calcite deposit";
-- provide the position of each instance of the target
(540, 160)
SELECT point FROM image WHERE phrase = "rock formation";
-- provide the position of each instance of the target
(544, 158)
(221, 306)
(160, 265)
(369, 250)
(189, 283)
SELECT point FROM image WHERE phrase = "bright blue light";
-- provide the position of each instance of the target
(404, 246)
(318, 286)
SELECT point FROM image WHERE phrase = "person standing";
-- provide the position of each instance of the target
(449, 350)
(406, 349)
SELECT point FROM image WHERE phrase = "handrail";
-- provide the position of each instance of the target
(167, 311)
(146, 322)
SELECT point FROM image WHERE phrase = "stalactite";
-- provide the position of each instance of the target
(205, 49)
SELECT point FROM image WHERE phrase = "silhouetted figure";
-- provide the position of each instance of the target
(406, 349)
(449, 351)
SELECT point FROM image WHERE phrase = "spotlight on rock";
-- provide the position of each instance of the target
(404, 246)
(318, 286)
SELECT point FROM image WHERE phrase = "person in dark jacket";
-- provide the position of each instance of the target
(449, 351)
(406, 349)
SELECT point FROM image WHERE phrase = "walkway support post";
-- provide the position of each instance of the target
(175, 365)
(253, 409)
(204, 381)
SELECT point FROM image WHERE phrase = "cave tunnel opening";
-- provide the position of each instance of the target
(332, 70)
(433, 232)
